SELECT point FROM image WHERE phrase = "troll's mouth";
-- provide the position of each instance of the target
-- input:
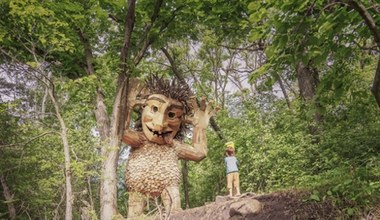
(160, 133)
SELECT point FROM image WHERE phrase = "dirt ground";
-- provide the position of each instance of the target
(275, 206)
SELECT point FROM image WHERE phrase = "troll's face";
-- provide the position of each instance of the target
(161, 118)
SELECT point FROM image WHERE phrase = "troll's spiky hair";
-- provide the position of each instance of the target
(170, 88)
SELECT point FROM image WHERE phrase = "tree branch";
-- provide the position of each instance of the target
(179, 76)
(128, 28)
(360, 8)
(146, 39)
(376, 84)
(370, 22)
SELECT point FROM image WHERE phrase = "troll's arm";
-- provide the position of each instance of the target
(135, 139)
(199, 120)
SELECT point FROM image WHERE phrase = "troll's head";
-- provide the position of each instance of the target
(164, 109)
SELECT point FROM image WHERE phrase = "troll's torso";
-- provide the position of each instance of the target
(151, 168)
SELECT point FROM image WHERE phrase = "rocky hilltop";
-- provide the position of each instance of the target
(275, 206)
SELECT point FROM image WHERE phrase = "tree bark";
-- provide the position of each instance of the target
(66, 149)
(87, 51)
(110, 152)
(110, 155)
(8, 197)
(307, 82)
(376, 84)
(46, 93)
(112, 128)
(110, 148)
(101, 115)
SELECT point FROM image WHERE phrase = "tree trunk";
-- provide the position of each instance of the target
(110, 155)
(284, 92)
(8, 197)
(307, 82)
(110, 152)
(66, 149)
(376, 84)
(111, 129)
(110, 148)
(56, 210)
(46, 93)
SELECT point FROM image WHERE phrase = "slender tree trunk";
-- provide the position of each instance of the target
(90, 192)
(376, 84)
(43, 105)
(8, 197)
(284, 92)
(56, 210)
(66, 149)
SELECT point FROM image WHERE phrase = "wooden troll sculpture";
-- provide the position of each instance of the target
(152, 167)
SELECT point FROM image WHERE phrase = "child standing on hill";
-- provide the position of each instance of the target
(232, 170)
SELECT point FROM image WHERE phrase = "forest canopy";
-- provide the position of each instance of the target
(298, 83)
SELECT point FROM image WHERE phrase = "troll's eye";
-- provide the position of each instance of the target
(154, 108)
(171, 114)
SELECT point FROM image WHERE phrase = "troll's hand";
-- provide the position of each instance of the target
(202, 113)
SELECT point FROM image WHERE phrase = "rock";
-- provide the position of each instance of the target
(245, 207)
(220, 199)
(248, 194)
(249, 206)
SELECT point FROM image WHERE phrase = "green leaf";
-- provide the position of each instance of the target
(32, 64)
(326, 26)
(255, 35)
(350, 211)
(315, 197)
(259, 73)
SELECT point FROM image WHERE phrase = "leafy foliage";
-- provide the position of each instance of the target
(211, 44)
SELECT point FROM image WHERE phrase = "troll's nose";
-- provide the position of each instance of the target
(158, 127)
(159, 122)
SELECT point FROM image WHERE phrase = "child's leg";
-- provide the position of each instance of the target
(237, 184)
(229, 183)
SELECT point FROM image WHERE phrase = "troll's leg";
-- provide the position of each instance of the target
(171, 199)
(136, 205)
